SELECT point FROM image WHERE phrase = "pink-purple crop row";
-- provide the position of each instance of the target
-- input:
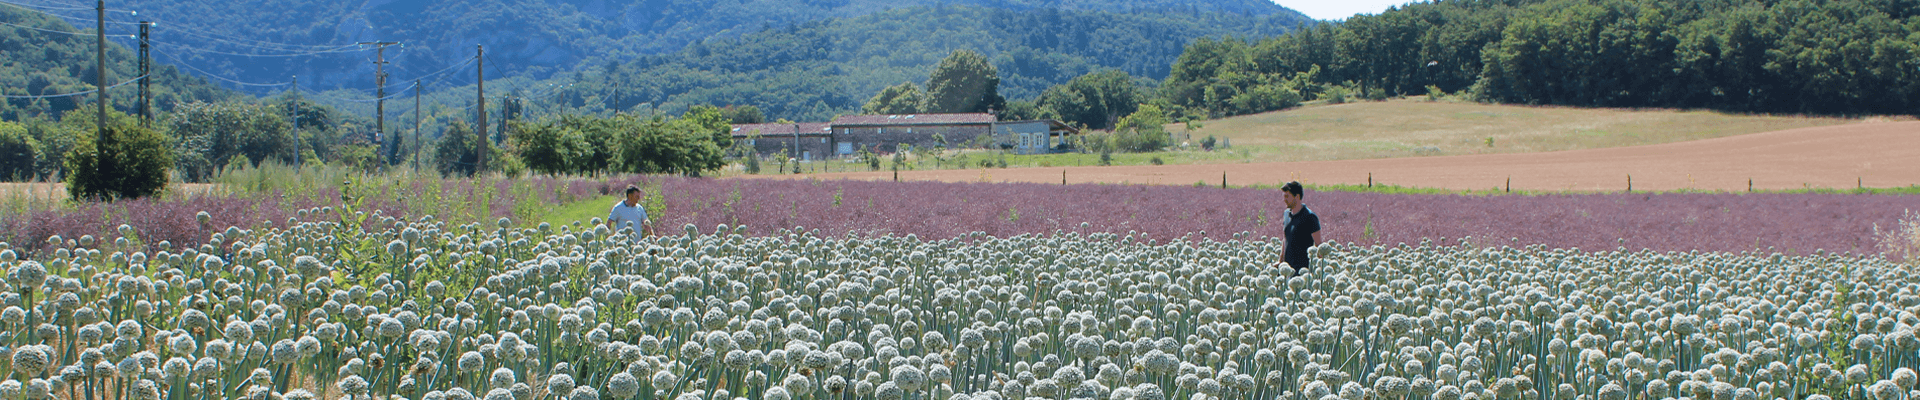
(1767, 222)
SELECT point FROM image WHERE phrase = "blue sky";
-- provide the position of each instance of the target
(1338, 9)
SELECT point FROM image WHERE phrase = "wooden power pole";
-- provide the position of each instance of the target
(100, 64)
(416, 125)
(380, 92)
(146, 68)
(480, 107)
(296, 124)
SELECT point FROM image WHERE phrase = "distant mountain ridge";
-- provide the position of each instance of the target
(43, 59)
(531, 37)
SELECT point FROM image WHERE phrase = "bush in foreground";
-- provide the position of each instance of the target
(124, 161)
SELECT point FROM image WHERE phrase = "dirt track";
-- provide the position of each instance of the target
(1876, 154)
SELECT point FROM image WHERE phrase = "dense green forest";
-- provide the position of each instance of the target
(815, 70)
(250, 41)
(41, 55)
(1791, 56)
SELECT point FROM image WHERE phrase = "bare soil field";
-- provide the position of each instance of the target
(1871, 154)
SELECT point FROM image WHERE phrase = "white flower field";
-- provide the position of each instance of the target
(371, 307)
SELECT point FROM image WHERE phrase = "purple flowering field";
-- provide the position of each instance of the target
(1788, 223)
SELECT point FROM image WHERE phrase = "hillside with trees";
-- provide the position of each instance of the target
(1769, 56)
(815, 70)
(271, 40)
(42, 57)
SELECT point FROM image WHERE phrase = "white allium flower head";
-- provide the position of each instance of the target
(501, 378)
(624, 386)
(560, 383)
(584, 393)
(353, 385)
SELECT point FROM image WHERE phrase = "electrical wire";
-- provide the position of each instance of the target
(75, 33)
(50, 11)
(401, 93)
(202, 32)
(348, 49)
(41, 7)
(49, 96)
(178, 61)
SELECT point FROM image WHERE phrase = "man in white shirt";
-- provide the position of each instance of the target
(630, 214)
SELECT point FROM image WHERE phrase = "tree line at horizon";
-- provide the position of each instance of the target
(1845, 57)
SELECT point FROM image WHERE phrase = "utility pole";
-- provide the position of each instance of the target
(100, 64)
(146, 68)
(416, 125)
(480, 106)
(296, 123)
(380, 91)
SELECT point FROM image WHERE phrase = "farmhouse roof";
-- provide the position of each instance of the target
(1053, 124)
(914, 119)
(806, 129)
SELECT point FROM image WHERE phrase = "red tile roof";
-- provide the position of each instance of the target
(806, 129)
(914, 119)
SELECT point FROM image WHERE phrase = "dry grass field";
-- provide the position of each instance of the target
(55, 191)
(1416, 127)
(1875, 154)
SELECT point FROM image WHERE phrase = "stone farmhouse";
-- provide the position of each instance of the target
(848, 135)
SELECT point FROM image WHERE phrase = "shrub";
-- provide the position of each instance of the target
(18, 152)
(1143, 131)
(1264, 98)
(455, 153)
(125, 161)
(209, 136)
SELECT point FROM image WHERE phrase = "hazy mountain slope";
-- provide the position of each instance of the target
(40, 55)
(540, 37)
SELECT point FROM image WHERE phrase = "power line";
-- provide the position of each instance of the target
(181, 63)
(49, 96)
(206, 51)
(394, 96)
(76, 33)
(445, 72)
(202, 32)
(49, 11)
(41, 7)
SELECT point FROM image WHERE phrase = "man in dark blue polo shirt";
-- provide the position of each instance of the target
(1302, 227)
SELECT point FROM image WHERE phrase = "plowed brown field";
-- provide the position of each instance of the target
(1874, 154)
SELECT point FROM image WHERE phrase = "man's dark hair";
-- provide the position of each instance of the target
(1294, 188)
(631, 189)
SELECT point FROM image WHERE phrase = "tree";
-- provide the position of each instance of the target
(1094, 100)
(743, 114)
(904, 98)
(124, 161)
(455, 153)
(18, 152)
(1022, 110)
(690, 145)
(964, 82)
(1143, 131)
(208, 135)
(548, 148)
(1264, 98)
